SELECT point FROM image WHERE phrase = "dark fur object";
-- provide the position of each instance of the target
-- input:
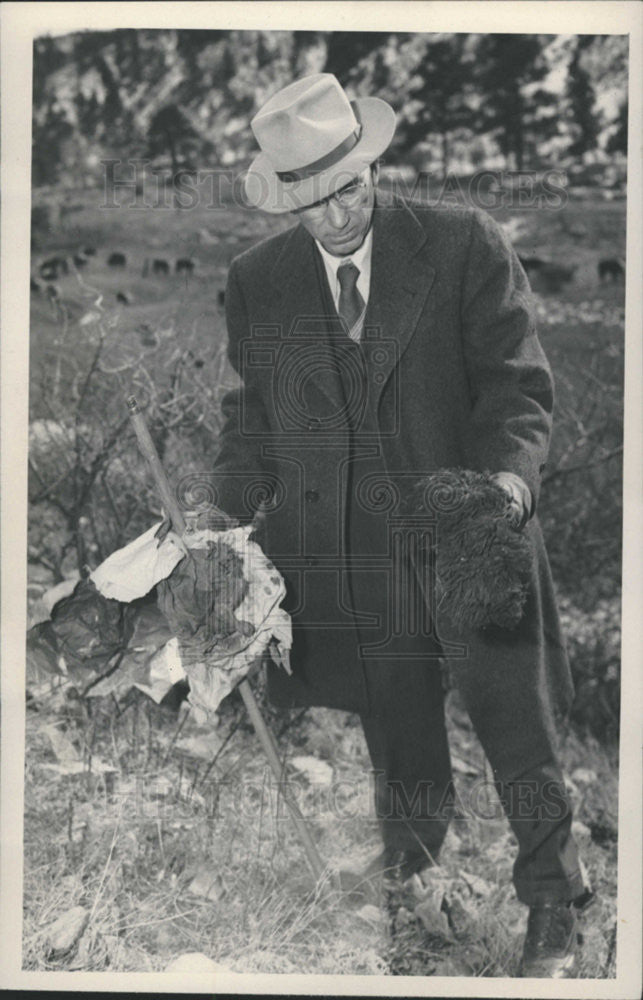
(482, 559)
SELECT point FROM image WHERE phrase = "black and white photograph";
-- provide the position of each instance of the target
(325, 575)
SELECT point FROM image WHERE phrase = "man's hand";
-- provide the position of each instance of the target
(519, 494)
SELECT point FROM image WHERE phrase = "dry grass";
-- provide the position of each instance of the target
(128, 847)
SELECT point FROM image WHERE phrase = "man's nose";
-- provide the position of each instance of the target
(337, 214)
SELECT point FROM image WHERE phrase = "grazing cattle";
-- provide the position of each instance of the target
(116, 260)
(184, 266)
(80, 260)
(34, 285)
(221, 297)
(612, 269)
(552, 277)
(52, 268)
(89, 251)
(160, 266)
(124, 298)
(531, 263)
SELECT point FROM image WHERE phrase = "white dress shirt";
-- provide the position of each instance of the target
(361, 258)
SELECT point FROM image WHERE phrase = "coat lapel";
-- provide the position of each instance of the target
(303, 317)
(401, 279)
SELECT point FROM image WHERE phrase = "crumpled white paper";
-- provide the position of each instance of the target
(134, 570)
(166, 670)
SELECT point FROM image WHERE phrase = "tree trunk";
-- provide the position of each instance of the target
(172, 149)
(446, 155)
(175, 164)
(519, 146)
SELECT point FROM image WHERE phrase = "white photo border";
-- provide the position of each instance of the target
(20, 23)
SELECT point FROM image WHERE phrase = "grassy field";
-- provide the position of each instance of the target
(171, 836)
(180, 845)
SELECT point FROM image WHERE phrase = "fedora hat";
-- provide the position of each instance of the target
(313, 141)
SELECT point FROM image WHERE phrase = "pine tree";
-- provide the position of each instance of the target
(511, 108)
(443, 90)
(347, 48)
(580, 92)
(617, 142)
(171, 132)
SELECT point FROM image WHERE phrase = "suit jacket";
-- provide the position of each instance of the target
(449, 373)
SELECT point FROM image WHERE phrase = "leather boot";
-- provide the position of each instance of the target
(551, 947)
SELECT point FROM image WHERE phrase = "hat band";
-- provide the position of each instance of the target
(329, 160)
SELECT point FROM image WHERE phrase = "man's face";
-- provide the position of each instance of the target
(341, 221)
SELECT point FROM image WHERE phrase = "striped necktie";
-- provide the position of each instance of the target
(351, 305)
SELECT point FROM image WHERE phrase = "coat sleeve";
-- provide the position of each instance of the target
(238, 468)
(510, 380)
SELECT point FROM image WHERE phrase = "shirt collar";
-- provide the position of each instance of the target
(361, 257)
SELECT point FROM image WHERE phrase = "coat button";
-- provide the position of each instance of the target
(312, 496)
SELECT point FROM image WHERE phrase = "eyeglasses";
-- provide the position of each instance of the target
(348, 197)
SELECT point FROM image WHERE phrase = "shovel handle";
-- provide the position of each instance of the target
(150, 454)
(268, 745)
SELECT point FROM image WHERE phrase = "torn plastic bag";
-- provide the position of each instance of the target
(218, 613)
(103, 646)
(220, 595)
(147, 662)
(222, 604)
(84, 633)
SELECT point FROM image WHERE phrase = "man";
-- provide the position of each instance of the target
(377, 342)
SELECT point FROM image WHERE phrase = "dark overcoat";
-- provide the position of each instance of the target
(450, 373)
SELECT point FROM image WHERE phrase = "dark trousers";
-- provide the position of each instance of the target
(407, 742)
